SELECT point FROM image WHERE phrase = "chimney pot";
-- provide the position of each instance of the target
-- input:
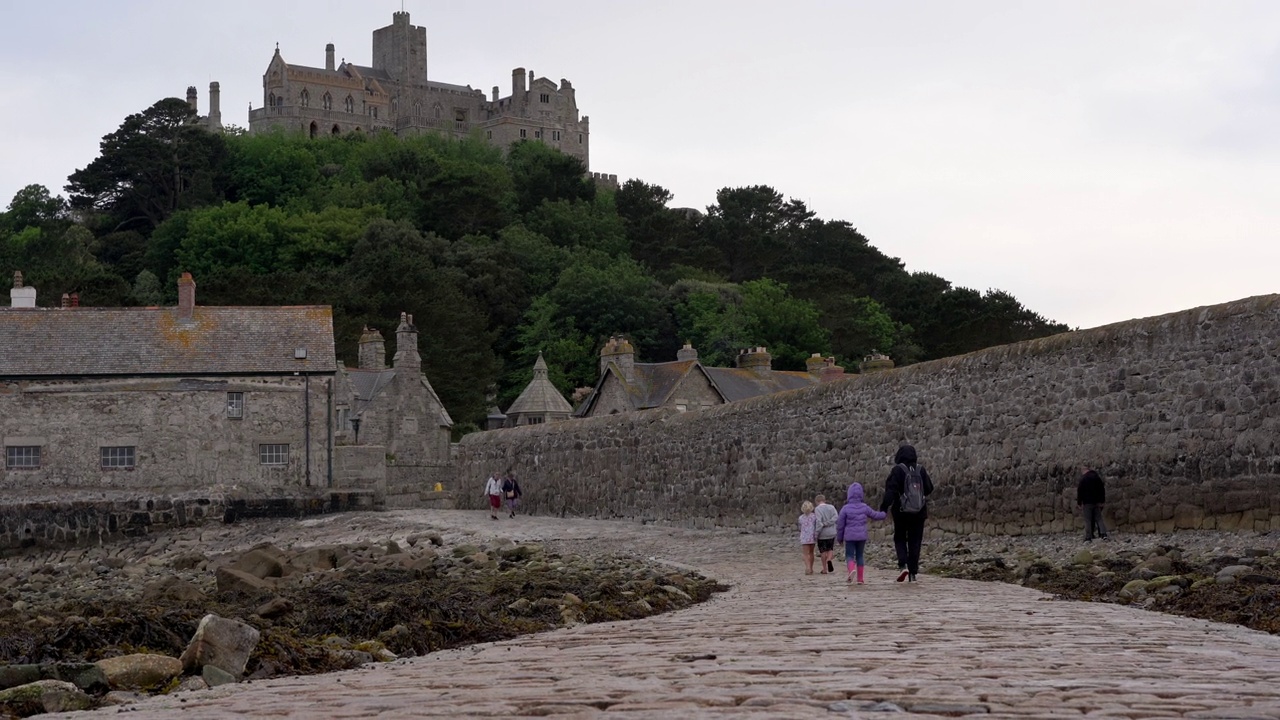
(186, 296)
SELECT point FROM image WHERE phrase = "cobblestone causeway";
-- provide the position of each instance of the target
(784, 645)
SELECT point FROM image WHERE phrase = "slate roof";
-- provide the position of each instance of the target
(366, 384)
(91, 341)
(540, 396)
(652, 384)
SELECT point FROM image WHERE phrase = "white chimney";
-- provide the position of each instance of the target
(19, 296)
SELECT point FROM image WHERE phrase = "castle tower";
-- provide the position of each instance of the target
(407, 357)
(328, 57)
(192, 98)
(401, 50)
(517, 85)
(215, 107)
(373, 350)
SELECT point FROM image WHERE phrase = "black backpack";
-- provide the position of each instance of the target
(912, 500)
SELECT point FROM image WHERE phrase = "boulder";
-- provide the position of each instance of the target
(261, 562)
(214, 676)
(188, 561)
(223, 643)
(273, 607)
(43, 696)
(324, 557)
(1084, 557)
(142, 671)
(233, 580)
(171, 589)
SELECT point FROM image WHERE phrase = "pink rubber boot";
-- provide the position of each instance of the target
(860, 581)
(849, 564)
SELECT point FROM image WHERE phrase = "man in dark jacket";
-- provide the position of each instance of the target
(1091, 495)
(908, 527)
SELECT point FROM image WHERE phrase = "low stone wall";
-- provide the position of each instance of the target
(92, 520)
(1180, 413)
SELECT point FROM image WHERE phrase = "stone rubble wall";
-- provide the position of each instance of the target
(1180, 413)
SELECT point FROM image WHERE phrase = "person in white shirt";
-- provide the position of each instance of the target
(493, 488)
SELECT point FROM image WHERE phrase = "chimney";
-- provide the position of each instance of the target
(373, 350)
(186, 297)
(815, 363)
(687, 353)
(830, 371)
(495, 93)
(215, 106)
(755, 359)
(20, 296)
(407, 357)
(66, 301)
(875, 362)
(328, 56)
(517, 83)
(75, 300)
(191, 98)
(619, 352)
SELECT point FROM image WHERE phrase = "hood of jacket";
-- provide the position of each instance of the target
(855, 493)
(905, 455)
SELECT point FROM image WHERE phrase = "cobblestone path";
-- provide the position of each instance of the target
(784, 645)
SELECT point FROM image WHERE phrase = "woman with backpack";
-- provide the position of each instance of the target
(905, 491)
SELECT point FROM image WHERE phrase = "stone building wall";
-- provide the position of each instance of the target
(1180, 413)
(693, 393)
(71, 420)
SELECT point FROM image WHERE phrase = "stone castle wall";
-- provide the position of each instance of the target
(1180, 413)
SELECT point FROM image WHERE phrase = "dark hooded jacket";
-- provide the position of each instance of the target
(1091, 490)
(893, 485)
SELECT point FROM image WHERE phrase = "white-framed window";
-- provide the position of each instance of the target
(273, 454)
(118, 458)
(235, 405)
(22, 457)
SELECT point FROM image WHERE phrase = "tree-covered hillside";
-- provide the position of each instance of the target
(497, 256)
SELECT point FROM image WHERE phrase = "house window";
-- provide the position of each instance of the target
(277, 454)
(22, 457)
(118, 458)
(235, 405)
(532, 420)
(327, 100)
(524, 133)
(344, 419)
(544, 97)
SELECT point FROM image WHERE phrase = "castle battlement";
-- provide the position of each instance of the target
(393, 93)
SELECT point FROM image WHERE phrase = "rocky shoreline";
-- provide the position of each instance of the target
(85, 627)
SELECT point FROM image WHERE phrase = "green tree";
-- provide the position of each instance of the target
(540, 172)
(32, 206)
(156, 163)
(754, 228)
(787, 326)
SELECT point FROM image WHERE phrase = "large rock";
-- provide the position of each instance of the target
(172, 589)
(264, 561)
(233, 580)
(223, 643)
(142, 671)
(43, 696)
(86, 676)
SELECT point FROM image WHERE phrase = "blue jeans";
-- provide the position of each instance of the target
(855, 549)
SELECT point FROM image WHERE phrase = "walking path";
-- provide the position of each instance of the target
(784, 645)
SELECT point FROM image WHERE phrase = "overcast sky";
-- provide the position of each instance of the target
(1099, 160)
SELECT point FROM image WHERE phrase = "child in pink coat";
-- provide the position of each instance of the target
(851, 529)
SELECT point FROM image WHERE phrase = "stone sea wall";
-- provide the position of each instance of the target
(1180, 413)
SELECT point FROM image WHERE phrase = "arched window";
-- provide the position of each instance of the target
(314, 129)
(350, 104)
(439, 111)
(304, 99)
(271, 100)
(327, 100)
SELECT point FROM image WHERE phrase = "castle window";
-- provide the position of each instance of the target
(537, 133)
(459, 115)
(524, 133)
(304, 99)
(579, 138)
(327, 100)
(235, 405)
(117, 458)
(555, 134)
(374, 111)
(274, 454)
(350, 104)
(489, 135)
(439, 111)
(22, 457)
(336, 130)
(271, 100)
(544, 97)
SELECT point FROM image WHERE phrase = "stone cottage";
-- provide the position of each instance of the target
(391, 429)
(163, 399)
(686, 384)
(540, 402)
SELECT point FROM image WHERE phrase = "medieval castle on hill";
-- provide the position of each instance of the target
(395, 94)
